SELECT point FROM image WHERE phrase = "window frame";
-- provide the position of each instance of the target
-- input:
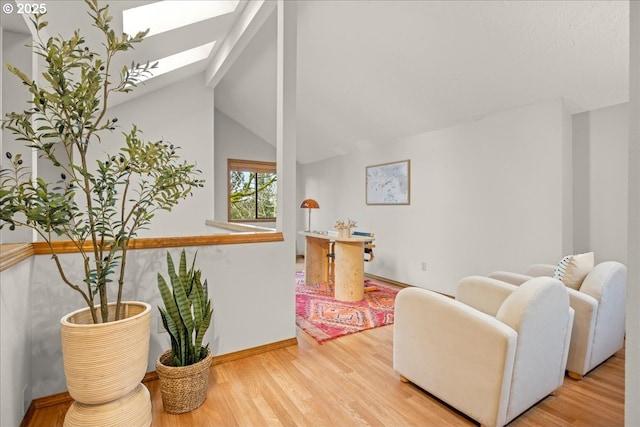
(256, 166)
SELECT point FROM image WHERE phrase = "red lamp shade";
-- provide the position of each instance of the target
(309, 204)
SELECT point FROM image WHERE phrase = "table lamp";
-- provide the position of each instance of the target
(309, 204)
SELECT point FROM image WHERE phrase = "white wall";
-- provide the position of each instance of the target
(632, 361)
(182, 115)
(485, 195)
(234, 141)
(251, 308)
(581, 179)
(15, 342)
(604, 132)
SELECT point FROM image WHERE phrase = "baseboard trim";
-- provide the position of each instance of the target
(64, 397)
(229, 357)
(384, 279)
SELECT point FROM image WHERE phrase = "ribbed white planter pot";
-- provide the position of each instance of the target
(104, 364)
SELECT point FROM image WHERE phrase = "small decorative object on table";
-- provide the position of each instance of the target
(184, 369)
(344, 228)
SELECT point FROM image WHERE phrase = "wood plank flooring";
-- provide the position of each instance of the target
(350, 382)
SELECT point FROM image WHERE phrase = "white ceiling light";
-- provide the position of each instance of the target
(167, 15)
(181, 59)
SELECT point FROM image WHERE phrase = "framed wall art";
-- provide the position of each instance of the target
(388, 183)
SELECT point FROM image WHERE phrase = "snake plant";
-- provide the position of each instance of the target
(187, 311)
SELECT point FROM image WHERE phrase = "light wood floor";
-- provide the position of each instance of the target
(350, 381)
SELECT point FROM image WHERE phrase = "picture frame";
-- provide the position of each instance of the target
(389, 183)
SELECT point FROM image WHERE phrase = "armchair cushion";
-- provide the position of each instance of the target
(572, 269)
(512, 278)
(537, 270)
(483, 293)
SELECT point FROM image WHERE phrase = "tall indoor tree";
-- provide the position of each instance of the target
(99, 205)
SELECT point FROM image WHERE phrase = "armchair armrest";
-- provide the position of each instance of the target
(509, 277)
(584, 326)
(483, 293)
(441, 345)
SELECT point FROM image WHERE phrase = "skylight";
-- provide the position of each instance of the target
(167, 15)
(181, 59)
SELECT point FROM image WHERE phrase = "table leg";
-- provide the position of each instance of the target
(349, 271)
(316, 265)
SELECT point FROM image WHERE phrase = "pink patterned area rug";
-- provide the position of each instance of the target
(324, 318)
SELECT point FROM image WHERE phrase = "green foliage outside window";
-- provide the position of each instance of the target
(252, 194)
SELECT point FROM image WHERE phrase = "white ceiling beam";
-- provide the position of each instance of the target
(253, 15)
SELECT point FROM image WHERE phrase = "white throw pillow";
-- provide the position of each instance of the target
(573, 269)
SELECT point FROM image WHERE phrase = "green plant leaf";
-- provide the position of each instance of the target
(187, 314)
(181, 299)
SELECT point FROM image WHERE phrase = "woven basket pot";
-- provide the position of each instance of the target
(106, 361)
(183, 388)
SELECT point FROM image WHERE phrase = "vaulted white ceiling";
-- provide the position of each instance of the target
(372, 72)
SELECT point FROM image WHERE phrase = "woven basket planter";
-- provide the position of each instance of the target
(106, 362)
(183, 388)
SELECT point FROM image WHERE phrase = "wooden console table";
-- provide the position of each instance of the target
(349, 263)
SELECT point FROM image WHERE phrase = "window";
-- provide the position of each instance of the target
(162, 16)
(252, 190)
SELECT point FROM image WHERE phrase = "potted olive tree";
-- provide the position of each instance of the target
(183, 370)
(97, 205)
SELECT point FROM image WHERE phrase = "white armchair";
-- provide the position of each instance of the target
(493, 352)
(599, 304)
